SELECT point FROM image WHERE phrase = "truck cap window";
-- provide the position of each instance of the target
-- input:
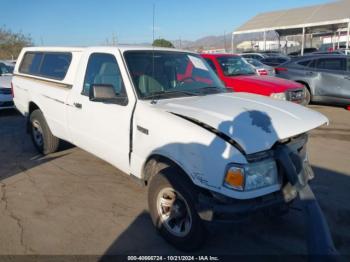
(46, 64)
(164, 74)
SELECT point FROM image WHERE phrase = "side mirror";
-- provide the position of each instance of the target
(105, 93)
(101, 92)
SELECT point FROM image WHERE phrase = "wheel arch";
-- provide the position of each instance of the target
(31, 107)
(306, 84)
(156, 162)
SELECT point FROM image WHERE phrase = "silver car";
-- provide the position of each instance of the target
(6, 99)
(326, 77)
(261, 69)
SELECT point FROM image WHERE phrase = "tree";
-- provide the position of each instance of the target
(12, 43)
(162, 43)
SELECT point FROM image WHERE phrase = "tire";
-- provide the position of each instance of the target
(44, 141)
(307, 99)
(191, 233)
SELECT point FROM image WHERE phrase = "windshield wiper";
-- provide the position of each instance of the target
(159, 94)
(213, 88)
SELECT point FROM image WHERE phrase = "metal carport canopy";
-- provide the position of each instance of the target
(311, 19)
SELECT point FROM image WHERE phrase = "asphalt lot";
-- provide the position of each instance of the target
(74, 203)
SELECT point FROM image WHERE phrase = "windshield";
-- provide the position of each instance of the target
(6, 69)
(9, 69)
(164, 74)
(235, 65)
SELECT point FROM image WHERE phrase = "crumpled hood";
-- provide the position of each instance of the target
(255, 122)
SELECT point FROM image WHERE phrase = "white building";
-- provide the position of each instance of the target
(270, 45)
(214, 51)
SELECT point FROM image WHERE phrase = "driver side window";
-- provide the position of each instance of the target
(103, 69)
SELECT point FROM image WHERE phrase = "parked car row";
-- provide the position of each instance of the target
(322, 76)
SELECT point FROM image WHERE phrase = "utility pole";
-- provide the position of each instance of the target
(154, 11)
(114, 39)
(225, 41)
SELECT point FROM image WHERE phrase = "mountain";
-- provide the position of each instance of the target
(219, 42)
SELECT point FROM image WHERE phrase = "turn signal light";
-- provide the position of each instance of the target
(235, 178)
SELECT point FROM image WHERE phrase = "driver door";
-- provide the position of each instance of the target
(101, 128)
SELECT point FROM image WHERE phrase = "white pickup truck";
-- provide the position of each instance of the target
(162, 116)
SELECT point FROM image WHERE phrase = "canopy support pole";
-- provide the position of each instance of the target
(338, 39)
(279, 43)
(347, 36)
(264, 40)
(311, 39)
(232, 45)
(303, 42)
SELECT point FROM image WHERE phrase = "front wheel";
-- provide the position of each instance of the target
(307, 98)
(171, 200)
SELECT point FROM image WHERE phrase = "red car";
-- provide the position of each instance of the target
(239, 75)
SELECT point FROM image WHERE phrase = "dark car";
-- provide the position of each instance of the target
(306, 51)
(260, 55)
(274, 60)
(326, 77)
(335, 52)
(271, 53)
(256, 56)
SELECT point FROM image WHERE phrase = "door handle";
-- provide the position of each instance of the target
(78, 105)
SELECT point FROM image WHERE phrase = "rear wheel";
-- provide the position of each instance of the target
(171, 200)
(44, 141)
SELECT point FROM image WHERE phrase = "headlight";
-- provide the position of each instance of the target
(251, 176)
(280, 96)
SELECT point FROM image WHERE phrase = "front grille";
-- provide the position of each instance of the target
(5, 91)
(6, 104)
(296, 95)
(298, 145)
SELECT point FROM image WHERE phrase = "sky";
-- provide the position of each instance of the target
(92, 22)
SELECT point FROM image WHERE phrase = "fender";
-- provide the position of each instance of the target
(162, 157)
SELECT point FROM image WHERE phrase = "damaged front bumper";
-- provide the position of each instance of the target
(218, 208)
(297, 173)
